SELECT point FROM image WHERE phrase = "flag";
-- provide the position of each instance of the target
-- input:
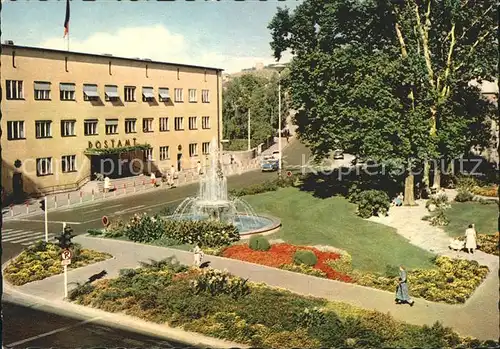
(66, 20)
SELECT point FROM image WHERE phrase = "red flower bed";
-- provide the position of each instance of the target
(280, 254)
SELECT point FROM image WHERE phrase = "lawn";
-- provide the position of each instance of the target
(461, 214)
(307, 220)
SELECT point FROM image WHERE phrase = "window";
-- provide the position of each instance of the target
(204, 96)
(129, 92)
(178, 95)
(43, 129)
(68, 128)
(205, 148)
(111, 126)
(90, 127)
(179, 123)
(164, 153)
(193, 149)
(130, 125)
(164, 124)
(15, 130)
(90, 92)
(43, 166)
(205, 122)
(192, 123)
(163, 92)
(42, 91)
(14, 89)
(147, 125)
(111, 93)
(147, 94)
(192, 95)
(68, 163)
(148, 154)
(67, 92)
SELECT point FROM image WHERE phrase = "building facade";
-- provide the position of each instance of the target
(67, 116)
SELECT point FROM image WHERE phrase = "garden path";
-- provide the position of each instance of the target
(128, 255)
(483, 305)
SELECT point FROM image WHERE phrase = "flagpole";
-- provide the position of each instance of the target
(68, 40)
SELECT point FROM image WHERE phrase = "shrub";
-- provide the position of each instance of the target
(439, 200)
(439, 218)
(144, 228)
(259, 243)
(218, 282)
(486, 191)
(306, 257)
(464, 196)
(204, 233)
(466, 183)
(343, 264)
(372, 203)
(94, 232)
(304, 269)
(255, 189)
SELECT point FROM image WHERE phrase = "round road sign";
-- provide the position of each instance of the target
(289, 174)
(66, 254)
(105, 221)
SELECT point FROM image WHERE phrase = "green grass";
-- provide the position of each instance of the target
(307, 220)
(461, 214)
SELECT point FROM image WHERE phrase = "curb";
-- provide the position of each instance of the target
(121, 321)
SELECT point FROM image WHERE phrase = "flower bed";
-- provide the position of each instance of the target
(281, 256)
(44, 260)
(491, 191)
(223, 306)
(453, 281)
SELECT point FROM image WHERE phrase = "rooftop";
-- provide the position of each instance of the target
(147, 60)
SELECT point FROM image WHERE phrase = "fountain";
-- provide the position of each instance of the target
(213, 202)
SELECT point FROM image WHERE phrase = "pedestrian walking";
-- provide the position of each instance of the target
(107, 184)
(199, 168)
(470, 238)
(153, 179)
(402, 294)
(172, 174)
(198, 255)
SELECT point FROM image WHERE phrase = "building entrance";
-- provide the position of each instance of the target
(117, 165)
(179, 162)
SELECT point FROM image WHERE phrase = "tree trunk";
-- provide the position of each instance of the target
(409, 196)
(437, 178)
(425, 176)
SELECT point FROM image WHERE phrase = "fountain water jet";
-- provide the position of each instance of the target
(213, 202)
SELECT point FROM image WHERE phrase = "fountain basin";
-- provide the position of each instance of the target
(247, 225)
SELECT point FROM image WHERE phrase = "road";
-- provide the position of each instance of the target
(34, 326)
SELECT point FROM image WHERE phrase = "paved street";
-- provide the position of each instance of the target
(39, 326)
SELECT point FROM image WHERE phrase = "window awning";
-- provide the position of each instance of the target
(163, 92)
(90, 90)
(42, 86)
(67, 87)
(147, 92)
(111, 91)
(111, 122)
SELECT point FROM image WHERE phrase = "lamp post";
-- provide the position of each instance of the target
(279, 68)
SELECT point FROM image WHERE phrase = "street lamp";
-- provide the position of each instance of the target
(279, 68)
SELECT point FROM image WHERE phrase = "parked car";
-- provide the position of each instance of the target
(338, 154)
(269, 163)
(276, 154)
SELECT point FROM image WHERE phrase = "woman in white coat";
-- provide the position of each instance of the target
(470, 239)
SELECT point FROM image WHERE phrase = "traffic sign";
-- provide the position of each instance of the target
(66, 255)
(105, 221)
(289, 173)
(66, 262)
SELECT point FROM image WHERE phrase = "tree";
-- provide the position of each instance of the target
(337, 45)
(259, 95)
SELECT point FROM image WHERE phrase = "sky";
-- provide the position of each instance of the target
(226, 34)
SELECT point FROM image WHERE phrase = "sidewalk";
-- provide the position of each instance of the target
(128, 255)
(139, 184)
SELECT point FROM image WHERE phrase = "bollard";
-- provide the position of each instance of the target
(27, 207)
(124, 189)
(69, 200)
(134, 187)
(12, 210)
(114, 190)
(81, 197)
(55, 201)
(143, 184)
(93, 195)
(185, 178)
